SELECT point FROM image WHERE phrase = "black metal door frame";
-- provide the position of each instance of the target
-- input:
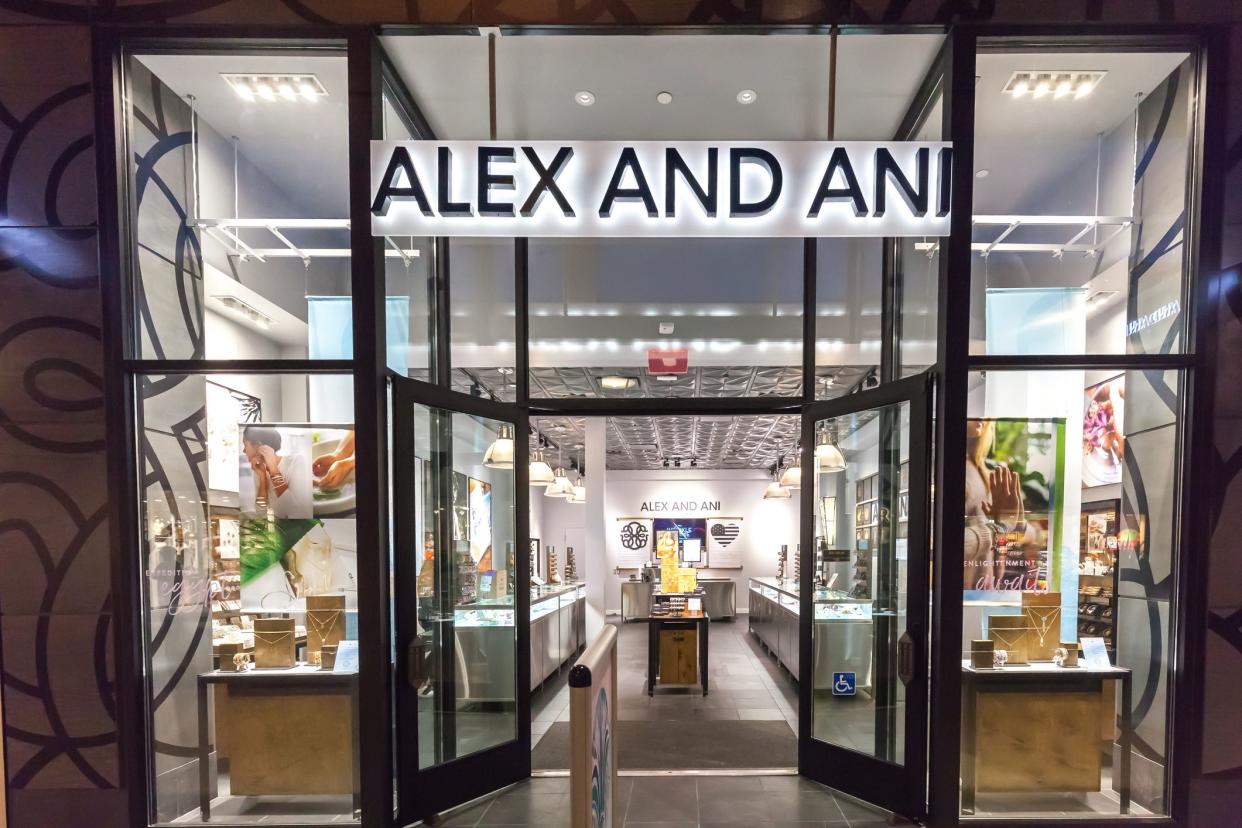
(898, 788)
(423, 792)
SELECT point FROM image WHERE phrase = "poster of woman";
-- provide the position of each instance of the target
(1014, 482)
(275, 479)
(1103, 440)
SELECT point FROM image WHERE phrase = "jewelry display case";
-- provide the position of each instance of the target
(842, 629)
(557, 627)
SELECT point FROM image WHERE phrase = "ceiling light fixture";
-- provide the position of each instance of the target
(499, 454)
(775, 491)
(540, 472)
(828, 457)
(584, 98)
(285, 87)
(245, 309)
(666, 377)
(665, 98)
(577, 492)
(616, 382)
(747, 96)
(791, 478)
(561, 487)
(1053, 85)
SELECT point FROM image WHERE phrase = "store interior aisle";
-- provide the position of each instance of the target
(751, 706)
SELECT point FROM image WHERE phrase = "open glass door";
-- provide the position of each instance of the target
(462, 602)
(864, 612)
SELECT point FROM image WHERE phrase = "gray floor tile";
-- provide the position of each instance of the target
(516, 808)
(656, 799)
(745, 808)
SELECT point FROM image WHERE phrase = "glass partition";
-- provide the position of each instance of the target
(247, 508)
(1080, 202)
(861, 499)
(1071, 546)
(240, 198)
(464, 657)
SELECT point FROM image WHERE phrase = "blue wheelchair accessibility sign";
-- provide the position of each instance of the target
(843, 684)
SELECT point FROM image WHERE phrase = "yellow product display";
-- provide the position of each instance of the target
(677, 579)
(666, 548)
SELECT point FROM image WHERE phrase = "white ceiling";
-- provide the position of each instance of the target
(302, 147)
(1131, 75)
(538, 76)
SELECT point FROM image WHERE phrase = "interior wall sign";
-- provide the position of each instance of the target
(653, 188)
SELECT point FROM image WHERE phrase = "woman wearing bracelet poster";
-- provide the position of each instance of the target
(1012, 466)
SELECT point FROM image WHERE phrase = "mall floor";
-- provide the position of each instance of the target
(679, 802)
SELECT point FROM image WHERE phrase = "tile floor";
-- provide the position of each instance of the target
(679, 802)
(744, 682)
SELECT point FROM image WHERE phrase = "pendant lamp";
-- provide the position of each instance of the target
(791, 478)
(500, 453)
(828, 458)
(540, 472)
(578, 493)
(561, 487)
(775, 491)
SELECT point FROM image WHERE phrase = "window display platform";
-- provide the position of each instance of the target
(1035, 728)
(284, 732)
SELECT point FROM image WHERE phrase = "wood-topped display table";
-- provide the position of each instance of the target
(289, 732)
(1034, 728)
(681, 621)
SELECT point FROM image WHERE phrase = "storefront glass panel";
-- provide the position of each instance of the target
(1071, 527)
(248, 535)
(409, 265)
(861, 535)
(725, 313)
(239, 203)
(483, 309)
(464, 659)
(1081, 201)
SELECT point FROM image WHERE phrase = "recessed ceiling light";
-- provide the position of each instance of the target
(664, 97)
(666, 377)
(289, 88)
(1053, 85)
(584, 98)
(747, 96)
(983, 173)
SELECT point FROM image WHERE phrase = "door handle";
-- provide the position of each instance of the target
(907, 658)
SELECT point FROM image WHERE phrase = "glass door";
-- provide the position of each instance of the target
(864, 610)
(462, 599)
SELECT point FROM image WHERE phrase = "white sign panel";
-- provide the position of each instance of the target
(652, 188)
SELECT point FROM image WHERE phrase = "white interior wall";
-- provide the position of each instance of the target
(766, 524)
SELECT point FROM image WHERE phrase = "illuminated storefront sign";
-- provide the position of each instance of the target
(652, 188)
